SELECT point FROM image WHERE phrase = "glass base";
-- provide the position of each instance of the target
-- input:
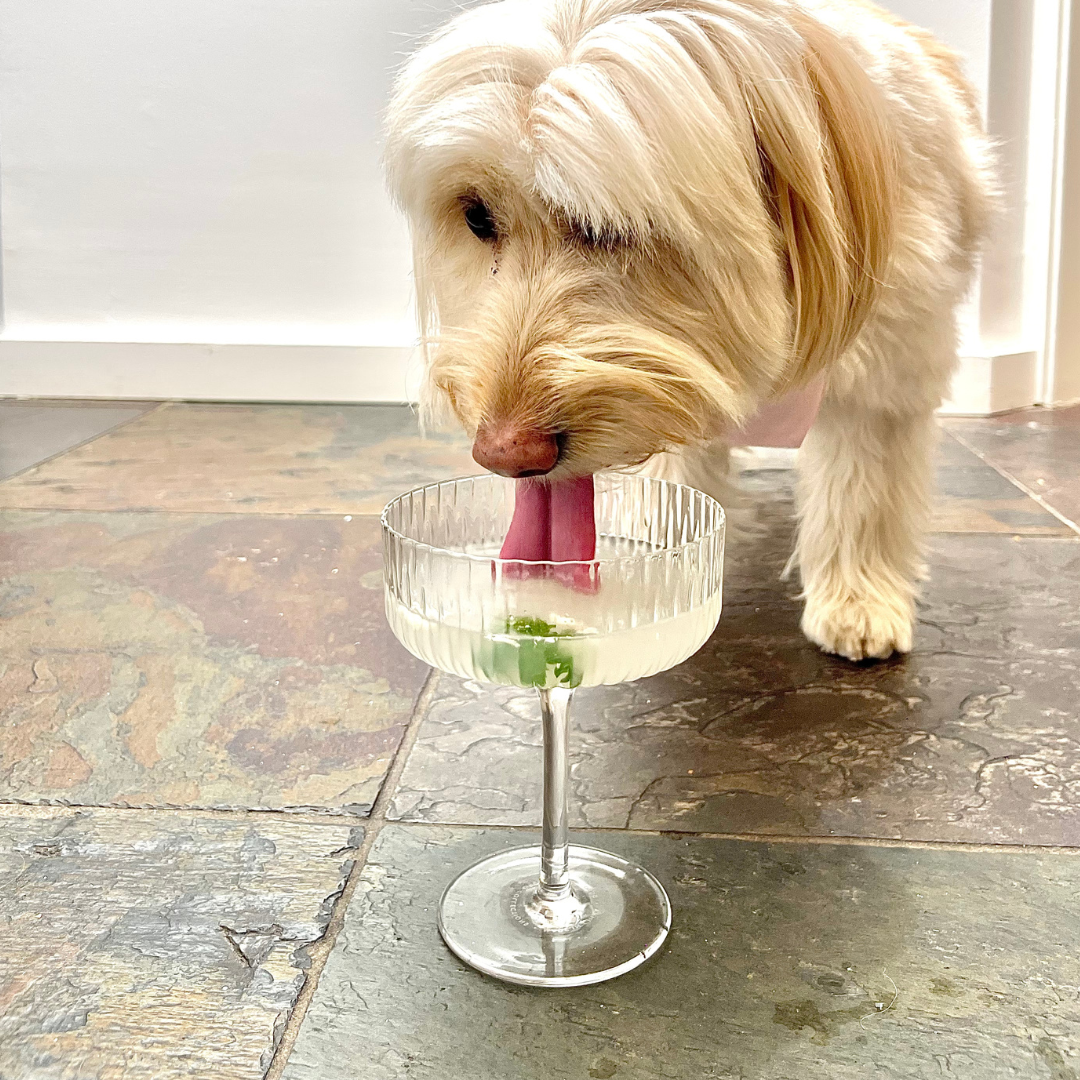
(613, 918)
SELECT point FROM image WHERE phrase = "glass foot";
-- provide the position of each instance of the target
(495, 917)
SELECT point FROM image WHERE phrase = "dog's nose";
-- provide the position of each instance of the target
(515, 451)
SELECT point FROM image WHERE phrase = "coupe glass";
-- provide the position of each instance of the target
(557, 914)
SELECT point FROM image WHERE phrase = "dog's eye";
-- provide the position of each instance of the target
(481, 223)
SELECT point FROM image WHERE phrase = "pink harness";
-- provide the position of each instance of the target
(785, 421)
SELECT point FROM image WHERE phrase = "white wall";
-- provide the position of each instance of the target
(207, 172)
(1061, 372)
(964, 25)
(1012, 51)
(200, 171)
(199, 168)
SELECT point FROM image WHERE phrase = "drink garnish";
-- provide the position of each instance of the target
(533, 653)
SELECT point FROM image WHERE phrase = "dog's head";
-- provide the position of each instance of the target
(634, 219)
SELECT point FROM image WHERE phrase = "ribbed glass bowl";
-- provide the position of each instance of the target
(649, 600)
(554, 914)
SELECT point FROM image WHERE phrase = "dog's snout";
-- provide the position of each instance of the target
(510, 450)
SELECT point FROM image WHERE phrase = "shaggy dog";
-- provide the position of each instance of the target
(648, 226)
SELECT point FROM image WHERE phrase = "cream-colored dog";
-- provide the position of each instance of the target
(673, 225)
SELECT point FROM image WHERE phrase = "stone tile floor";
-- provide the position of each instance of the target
(1038, 449)
(229, 800)
(33, 431)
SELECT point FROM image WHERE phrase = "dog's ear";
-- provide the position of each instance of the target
(831, 174)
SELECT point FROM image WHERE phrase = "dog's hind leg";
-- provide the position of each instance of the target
(864, 492)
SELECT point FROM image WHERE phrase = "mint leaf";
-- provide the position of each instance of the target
(529, 627)
(535, 655)
(563, 669)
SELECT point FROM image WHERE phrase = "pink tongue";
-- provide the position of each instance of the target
(554, 523)
(529, 535)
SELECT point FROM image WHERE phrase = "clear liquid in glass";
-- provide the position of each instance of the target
(541, 632)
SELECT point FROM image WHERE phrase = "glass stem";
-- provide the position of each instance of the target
(555, 843)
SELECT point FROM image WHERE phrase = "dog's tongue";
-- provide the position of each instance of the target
(573, 523)
(553, 522)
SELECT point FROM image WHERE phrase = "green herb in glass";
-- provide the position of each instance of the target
(536, 655)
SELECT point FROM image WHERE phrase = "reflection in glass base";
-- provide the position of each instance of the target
(492, 918)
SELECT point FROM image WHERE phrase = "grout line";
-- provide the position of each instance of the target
(1016, 483)
(408, 741)
(159, 512)
(790, 839)
(330, 818)
(319, 953)
(978, 848)
(86, 442)
(337, 821)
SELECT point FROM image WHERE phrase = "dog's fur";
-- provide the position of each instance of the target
(700, 204)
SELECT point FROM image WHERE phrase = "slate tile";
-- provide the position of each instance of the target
(303, 459)
(785, 960)
(191, 660)
(1039, 447)
(156, 945)
(973, 497)
(33, 430)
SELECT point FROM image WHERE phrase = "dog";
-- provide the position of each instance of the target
(653, 229)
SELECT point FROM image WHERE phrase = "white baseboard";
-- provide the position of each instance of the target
(166, 370)
(985, 385)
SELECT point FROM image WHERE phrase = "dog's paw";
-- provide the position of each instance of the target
(859, 628)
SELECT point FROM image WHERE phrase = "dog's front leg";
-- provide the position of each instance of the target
(865, 478)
